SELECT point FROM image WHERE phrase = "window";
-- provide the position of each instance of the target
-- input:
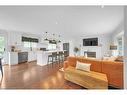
(26, 44)
(33, 44)
(29, 42)
(51, 46)
(2, 42)
(120, 46)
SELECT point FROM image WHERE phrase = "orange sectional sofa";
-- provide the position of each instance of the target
(113, 69)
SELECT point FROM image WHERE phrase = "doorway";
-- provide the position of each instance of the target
(2, 46)
(3, 53)
(66, 47)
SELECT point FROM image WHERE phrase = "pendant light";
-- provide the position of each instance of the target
(59, 40)
(46, 39)
(54, 38)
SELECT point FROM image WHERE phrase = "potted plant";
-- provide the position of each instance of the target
(76, 50)
(12, 48)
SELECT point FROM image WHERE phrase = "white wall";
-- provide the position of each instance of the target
(103, 48)
(125, 48)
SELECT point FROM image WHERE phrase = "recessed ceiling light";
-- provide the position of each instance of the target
(102, 6)
(61, 16)
(56, 22)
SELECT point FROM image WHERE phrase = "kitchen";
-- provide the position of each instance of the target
(19, 50)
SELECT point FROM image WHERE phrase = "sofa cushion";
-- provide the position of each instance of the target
(83, 66)
(74, 59)
(114, 72)
(95, 64)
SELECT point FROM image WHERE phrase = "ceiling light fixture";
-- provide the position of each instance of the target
(102, 6)
(59, 39)
(53, 39)
(46, 39)
(56, 22)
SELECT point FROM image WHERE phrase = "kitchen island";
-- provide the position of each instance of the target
(42, 57)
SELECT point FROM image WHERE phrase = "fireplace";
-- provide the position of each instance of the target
(90, 54)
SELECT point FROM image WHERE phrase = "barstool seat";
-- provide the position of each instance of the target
(55, 57)
(61, 56)
(50, 59)
(65, 55)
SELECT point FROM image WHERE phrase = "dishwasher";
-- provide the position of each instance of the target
(22, 57)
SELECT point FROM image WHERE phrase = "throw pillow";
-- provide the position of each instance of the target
(119, 58)
(83, 66)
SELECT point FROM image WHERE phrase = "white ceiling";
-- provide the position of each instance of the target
(65, 20)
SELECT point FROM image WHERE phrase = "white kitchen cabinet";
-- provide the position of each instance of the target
(32, 56)
(13, 58)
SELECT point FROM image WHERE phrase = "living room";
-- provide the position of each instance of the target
(86, 31)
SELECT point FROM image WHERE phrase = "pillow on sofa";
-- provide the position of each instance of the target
(112, 58)
(83, 66)
(119, 58)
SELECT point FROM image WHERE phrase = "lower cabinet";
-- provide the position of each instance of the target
(19, 57)
(13, 58)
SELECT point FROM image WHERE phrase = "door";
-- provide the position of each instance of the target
(66, 47)
(2, 48)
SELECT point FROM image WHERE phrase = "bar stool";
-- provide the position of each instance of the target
(54, 57)
(61, 56)
(1, 67)
(50, 59)
(65, 55)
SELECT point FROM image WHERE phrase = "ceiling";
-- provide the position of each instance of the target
(68, 21)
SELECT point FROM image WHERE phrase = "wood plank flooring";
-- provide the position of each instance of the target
(32, 76)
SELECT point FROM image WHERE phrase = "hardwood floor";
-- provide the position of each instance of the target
(32, 76)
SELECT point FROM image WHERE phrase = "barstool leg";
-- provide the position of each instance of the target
(59, 58)
(52, 61)
(48, 61)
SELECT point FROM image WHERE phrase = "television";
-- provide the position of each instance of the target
(90, 42)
